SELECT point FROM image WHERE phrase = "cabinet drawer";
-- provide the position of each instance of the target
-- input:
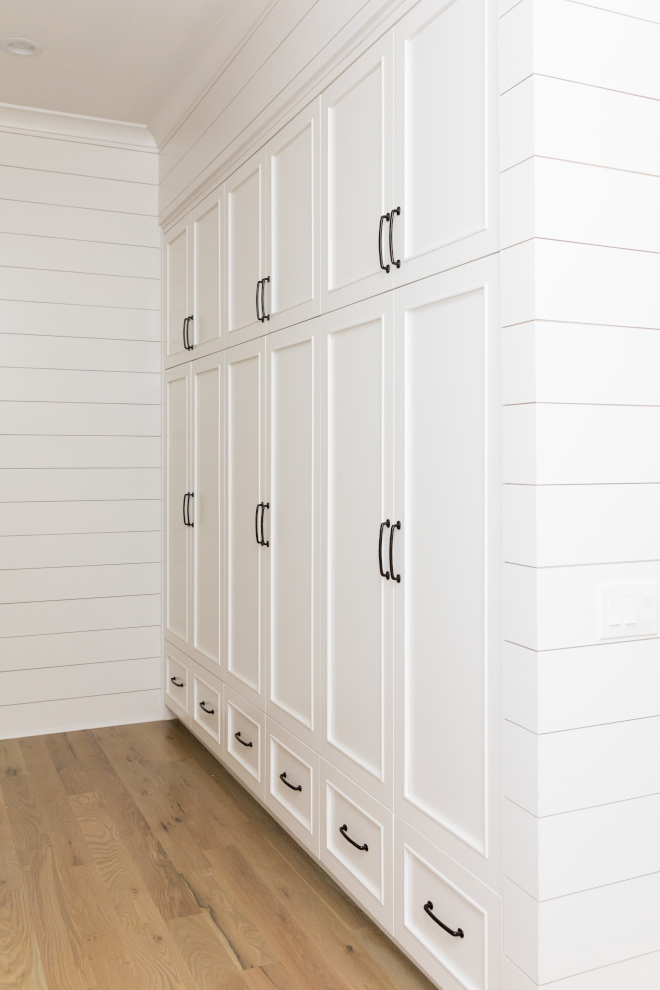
(244, 741)
(356, 843)
(293, 785)
(176, 671)
(429, 888)
(206, 721)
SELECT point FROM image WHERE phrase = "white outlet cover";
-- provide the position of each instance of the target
(628, 610)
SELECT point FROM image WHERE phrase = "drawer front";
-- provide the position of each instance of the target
(356, 842)
(245, 731)
(447, 919)
(177, 682)
(293, 785)
(207, 709)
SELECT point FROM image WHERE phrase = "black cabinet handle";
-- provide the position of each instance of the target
(344, 831)
(176, 683)
(395, 577)
(264, 314)
(385, 574)
(264, 506)
(209, 711)
(384, 217)
(398, 213)
(237, 735)
(256, 301)
(285, 781)
(256, 522)
(459, 933)
(185, 499)
(185, 327)
(186, 508)
(186, 339)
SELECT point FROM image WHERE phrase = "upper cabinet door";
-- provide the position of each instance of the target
(206, 231)
(178, 300)
(245, 193)
(357, 179)
(177, 490)
(445, 157)
(293, 292)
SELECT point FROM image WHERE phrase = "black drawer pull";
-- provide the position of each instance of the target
(264, 314)
(285, 781)
(256, 522)
(256, 300)
(397, 264)
(428, 907)
(385, 574)
(344, 831)
(384, 217)
(176, 683)
(209, 711)
(395, 577)
(264, 506)
(237, 735)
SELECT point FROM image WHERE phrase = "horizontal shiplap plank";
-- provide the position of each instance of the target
(79, 452)
(95, 646)
(56, 583)
(18, 687)
(46, 385)
(19, 351)
(554, 690)
(62, 254)
(64, 320)
(580, 444)
(36, 186)
(76, 549)
(572, 362)
(70, 484)
(583, 768)
(44, 618)
(47, 220)
(52, 518)
(35, 285)
(41, 717)
(564, 854)
(77, 158)
(76, 418)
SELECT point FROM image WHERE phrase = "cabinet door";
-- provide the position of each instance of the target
(177, 478)
(177, 300)
(357, 178)
(247, 518)
(293, 465)
(293, 160)
(206, 228)
(357, 464)
(445, 164)
(245, 193)
(447, 719)
(206, 386)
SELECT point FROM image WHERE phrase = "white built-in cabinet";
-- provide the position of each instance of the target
(331, 484)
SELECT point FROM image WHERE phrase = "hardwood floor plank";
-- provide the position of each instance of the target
(401, 970)
(271, 977)
(206, 952)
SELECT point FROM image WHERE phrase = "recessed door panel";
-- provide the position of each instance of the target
(206, 506)
(244, 243)
(206, 275)
(176, 399)
(291, 379)
(176, 276)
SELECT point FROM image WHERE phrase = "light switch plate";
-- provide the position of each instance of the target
(628, 610)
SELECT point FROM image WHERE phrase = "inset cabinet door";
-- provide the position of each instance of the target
(447, 641)
(359, 541)
(246, 252)
(293, 465)
(177, 300)
(206, 232)
(445, 140)
(294, 179)
(357, 179)
(177, 475)
(247, 515)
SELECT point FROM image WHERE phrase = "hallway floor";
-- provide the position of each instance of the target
(131, 860)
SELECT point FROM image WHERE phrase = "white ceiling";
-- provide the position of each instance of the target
(116, 59)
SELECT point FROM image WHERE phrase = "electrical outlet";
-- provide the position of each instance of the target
(628, 610)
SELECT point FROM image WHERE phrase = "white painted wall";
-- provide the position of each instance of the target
(580, 186)
(79, 424)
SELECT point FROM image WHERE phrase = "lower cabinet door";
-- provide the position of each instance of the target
(244, 744)
(448, 920)
(356, 842)
(207, 705)
(176, 686)
(293, 784)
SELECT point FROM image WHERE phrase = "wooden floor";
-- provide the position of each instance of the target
(131, 860)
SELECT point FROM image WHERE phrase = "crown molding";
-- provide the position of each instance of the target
(73, 127)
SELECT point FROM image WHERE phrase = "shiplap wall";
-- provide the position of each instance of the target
(79, 424)
(580, 203)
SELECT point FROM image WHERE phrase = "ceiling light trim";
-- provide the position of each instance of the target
(23, 47)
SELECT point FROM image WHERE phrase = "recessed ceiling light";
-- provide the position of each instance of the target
(21, 46)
